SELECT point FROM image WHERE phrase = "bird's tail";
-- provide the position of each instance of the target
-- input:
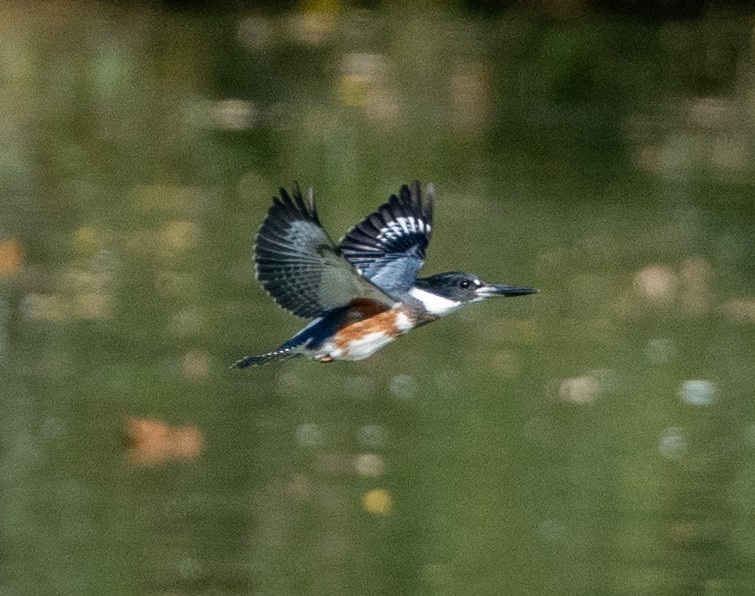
(274, 356)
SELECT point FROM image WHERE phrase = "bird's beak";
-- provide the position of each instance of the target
(489, 290)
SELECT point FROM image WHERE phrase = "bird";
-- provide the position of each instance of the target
(364, 292)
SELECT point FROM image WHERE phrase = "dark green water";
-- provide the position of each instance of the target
(598, 438)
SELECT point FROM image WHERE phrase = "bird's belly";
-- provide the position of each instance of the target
(356, 349)
(363, 338)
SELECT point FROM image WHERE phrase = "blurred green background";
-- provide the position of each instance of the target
(597, 438)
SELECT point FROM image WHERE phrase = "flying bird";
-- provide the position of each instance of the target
(363, 292)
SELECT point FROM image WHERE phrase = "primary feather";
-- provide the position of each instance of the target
(389, 245)
(298, 264)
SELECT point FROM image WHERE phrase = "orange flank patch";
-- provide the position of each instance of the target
(382, 321)
(363, 308)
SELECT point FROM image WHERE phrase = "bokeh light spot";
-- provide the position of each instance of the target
(659, 350)
(371, 435)
(378, 502)
(45, 307)
(86, 241)
(11, 257)
(698, 392)
(178, 236)
(309, 435)
(190, 568)
(656, 282)
(91, 306)
(151, 441)
(740, 310)
(369, 465)
(552, 530)
(579, 390)
(195, 365)
(254, 33)
(402, 386)
(234, 114)
(671, 443)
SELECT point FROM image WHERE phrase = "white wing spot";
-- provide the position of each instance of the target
(402, 226)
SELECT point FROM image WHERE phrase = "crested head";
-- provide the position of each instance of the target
(444, 293)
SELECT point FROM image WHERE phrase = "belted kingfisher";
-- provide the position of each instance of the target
(364, 292)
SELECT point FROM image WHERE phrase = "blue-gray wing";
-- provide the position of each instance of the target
(300, 267)
(389, 246)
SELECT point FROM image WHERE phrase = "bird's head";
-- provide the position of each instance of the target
(444, 293)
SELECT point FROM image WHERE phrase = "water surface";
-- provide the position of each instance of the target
(597, 438)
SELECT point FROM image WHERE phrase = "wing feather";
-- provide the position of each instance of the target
(298, 264)
(389, 245)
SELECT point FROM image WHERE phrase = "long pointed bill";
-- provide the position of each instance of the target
(489, 290)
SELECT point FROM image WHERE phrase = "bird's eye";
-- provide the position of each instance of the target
(465, 284)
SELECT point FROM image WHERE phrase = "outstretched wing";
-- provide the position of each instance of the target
(299, 266)
(389, 246)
